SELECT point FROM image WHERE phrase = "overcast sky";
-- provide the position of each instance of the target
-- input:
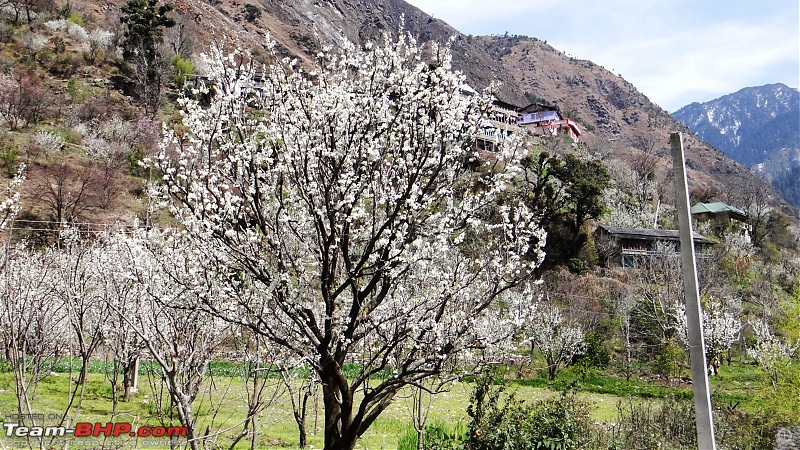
(674, 51)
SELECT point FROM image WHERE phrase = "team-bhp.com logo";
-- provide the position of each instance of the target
(87, 429)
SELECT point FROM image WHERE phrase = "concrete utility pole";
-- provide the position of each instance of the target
(697, 348)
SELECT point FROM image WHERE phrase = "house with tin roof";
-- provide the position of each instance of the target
(718, 211)
(631, 247)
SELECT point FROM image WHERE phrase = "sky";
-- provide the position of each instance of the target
(674, 51)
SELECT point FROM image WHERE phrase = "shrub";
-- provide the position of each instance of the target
(437, 436)
(501, 421)
(6, 34)
(182, 67)
(9, 155)
(75, 17)
(72, 136)
(669, 425)
(737, 429)
(666, 359)
(578, 266)
(594, 357)
(65, 65)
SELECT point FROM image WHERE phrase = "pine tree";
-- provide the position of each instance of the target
(145, 20)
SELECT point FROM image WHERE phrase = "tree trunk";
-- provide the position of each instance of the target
(628, 360)
(340, 433)
(301, 426)
(333, 417)
(130, 378)
(300, 418)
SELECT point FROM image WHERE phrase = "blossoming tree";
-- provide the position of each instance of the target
(721, 328)
(343, 210)
(558, 341)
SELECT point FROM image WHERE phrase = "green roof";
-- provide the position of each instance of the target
(716, 208)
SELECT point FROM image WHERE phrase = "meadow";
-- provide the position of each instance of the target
(220, 409)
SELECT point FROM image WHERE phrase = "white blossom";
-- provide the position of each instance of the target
(344, 216)
(557, 340)
(48, 141)
(10, 203)
(721, 327)
(35, 42)
(771, 351)
(56, 24)
(100, 38)
(77, 32)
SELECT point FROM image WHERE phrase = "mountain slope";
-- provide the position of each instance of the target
(620, 120)
(749, 125)
(616, 117)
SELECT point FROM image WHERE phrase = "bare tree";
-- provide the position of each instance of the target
(625, 304)
(23, 99)
(178, 39)
(147, 73)
(753, 194)
(298, 396)
(650, 148)
(63, 191)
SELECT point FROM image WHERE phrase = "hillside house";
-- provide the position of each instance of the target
(629, 247)
(500, 123)
(721, 213)
(545, 120)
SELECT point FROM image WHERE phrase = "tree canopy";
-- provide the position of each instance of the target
(145, 20)
(564, 192)
(348, 220)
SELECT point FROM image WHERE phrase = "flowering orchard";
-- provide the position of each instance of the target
(338, 235)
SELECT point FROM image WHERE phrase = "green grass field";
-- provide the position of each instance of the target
(220, 408)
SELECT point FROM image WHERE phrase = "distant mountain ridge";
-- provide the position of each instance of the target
(750, 125)
(756, 126)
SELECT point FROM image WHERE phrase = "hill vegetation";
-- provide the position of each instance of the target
(321, 238)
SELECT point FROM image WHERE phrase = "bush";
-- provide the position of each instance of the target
(666, 360)
(668, 425)
(578, 266)
(437, 436)
(182, 67)
(593, 358)
(65, 65)
(6, 34)
(501, 421)
(737, 429)
(9, 155)
(75, 17)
